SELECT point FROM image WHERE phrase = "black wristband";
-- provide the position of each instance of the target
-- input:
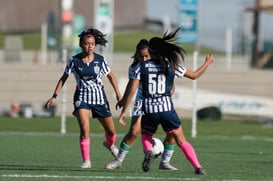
(55, 95)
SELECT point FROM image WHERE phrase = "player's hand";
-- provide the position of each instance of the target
(209, 58)
(50, 102)
(121, 119)
(118, 97)
(119, 104)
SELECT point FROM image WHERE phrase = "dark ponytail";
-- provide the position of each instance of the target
(166, 48)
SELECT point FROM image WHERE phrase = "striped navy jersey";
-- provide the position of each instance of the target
(157, 85)
(132, 70)
(89, 86)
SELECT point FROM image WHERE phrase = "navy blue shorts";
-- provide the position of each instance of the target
(169, 121)
(97, 110)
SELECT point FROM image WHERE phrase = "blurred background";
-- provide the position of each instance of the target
(37, 37)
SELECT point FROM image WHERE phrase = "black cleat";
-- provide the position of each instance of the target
(200, 171)
(146, 164)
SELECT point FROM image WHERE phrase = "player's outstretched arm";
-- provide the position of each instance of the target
(197, 73)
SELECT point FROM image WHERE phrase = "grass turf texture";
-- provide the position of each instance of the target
(124, 41)
(33, 149)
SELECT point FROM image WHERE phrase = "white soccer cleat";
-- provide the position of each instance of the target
(113, 164)
(86, 164)
(113, 149)
(166, 166)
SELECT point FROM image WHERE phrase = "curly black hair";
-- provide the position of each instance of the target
(98, 35)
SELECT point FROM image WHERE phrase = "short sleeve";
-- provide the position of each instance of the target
(69, 66)
(105, 67)
(180, 71)
(134, 71)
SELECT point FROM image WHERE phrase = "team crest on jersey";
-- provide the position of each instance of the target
(96, 69)
(80, 68)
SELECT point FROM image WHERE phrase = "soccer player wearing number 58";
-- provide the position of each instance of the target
(141, 54)
(88, 68)
(157, 79)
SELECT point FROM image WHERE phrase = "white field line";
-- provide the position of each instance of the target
(29, 133)
(93, 177)
(243, 137)
(209, 137)
(212, 137)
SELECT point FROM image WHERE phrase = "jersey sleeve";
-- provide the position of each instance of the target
(69, 66)
(180, 71)
(134, 71)
(131, 71)
(105, 69)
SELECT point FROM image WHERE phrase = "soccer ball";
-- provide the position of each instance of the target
(158, 147)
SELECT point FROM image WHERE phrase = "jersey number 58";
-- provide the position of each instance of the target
(157, 83)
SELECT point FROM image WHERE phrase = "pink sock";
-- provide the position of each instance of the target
(190, 154)
(85, 148)
(147, 142)
(110, 140)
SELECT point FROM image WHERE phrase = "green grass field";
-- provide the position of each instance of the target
(33, 149)
(124, 41)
